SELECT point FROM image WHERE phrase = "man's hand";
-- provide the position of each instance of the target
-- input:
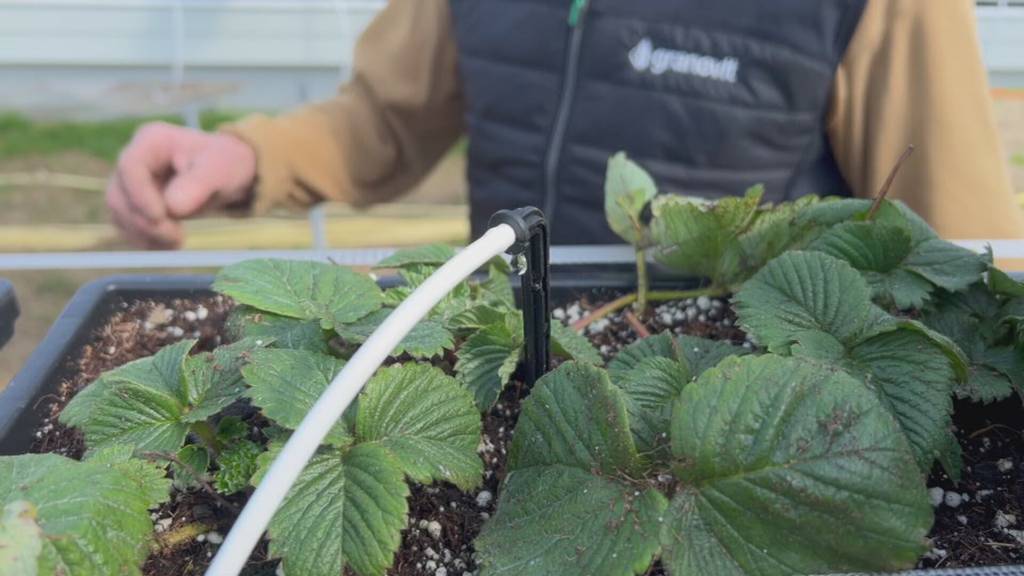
(167, 173)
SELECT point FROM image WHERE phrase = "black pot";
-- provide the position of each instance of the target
(53, 360)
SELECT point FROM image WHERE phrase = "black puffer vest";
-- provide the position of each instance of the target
(710, 96)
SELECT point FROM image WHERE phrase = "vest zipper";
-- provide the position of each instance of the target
(577, 14)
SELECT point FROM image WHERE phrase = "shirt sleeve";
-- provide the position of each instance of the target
(384, 130)
(913, 75)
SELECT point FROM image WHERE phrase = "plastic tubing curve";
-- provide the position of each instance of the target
(253, 521)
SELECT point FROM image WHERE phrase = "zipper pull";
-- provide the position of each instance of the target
(578, 6)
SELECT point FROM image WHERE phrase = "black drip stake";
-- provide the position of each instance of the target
(532, 243)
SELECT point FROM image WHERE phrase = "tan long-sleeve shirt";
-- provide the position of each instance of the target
(911, 75)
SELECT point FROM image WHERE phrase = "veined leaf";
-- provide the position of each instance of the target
(945, 264)
(570, 344)
(697, 354)
(651, 388)
(427, 339)
(566, 399)
(813, 305)
(347, 508)
(281, 331)
(328, 293)
(791, 467)
(213, 380)
(971, 320)
(902, 266)
(426, 420)
(703, 239)
(659, 345)
(563, 509)
(914, 380)
(804, 296)
(21, 540)
(150, 480)
(628, 189)
(701, 353)
(149, 403)
(195, 461)
(285, 384)
(237, 463)
(487, 360)
(563, 521)
(94, 515)
(497, 288)
(141, 404)
(1001, 283)
(429, 254)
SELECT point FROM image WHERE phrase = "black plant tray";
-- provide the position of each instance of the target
(53, 359)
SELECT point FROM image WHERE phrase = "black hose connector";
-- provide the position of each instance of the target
(532, 242)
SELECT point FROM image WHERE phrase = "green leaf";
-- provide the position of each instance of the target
(94, 514)
(658, 345)
(557, 424)
(426, 420)
(280, 331)
(195, 461)
(346, 510)
(285, 384)
(565, 507)
(212, 381)
(945, 264)
(650, 389)
(21, 540)
(231, 429)
(429, 254)
(141, 404)
(914, 381)
(487, 360)
(237, 463)
(628, 189)
(304, 290)
(811, 304)
(702, 239)
(790, 467)
(479, 316)
(150, 403)
(564, 521)
(1001, 283)
(878, 250)
(570, 344)
(427, 339)
(498, 288)
(150, 478)
(801, 297)
(701, 353)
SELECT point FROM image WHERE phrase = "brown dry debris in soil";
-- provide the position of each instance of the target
(986, 528)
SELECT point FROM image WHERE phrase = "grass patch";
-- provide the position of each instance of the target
(20, 136)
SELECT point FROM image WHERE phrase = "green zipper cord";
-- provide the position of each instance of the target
(575, 11)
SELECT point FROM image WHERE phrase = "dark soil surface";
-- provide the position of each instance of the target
(979, 521)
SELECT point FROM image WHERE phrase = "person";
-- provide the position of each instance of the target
(710, 96)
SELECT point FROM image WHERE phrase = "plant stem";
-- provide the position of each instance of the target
(641, 280)
(652, 296)
(207, 435)
(884, 191)
(637, 325)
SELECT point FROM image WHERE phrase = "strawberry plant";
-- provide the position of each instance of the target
(681, 455)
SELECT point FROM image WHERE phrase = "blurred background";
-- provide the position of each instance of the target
(78, 76)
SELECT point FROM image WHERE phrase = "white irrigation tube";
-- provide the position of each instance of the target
(249, 527)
